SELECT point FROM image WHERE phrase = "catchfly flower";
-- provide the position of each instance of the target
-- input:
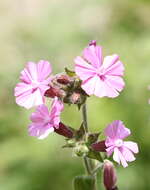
(100, 77)
(34, 82)
(122, 150)
(43, 121)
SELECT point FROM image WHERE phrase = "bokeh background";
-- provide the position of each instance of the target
(58, 30)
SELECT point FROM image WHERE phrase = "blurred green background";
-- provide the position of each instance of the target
(58, 30)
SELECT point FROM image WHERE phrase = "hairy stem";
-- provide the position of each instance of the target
(87, 162)
(84, 115)
(87, 167)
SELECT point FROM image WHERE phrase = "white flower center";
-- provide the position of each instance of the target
(119, 143)
(35, 84)
(47, 120)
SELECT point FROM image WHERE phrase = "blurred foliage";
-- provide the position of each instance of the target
(58, 31)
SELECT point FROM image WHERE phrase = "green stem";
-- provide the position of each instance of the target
(84, 115)
(87, 162)
(87, 167)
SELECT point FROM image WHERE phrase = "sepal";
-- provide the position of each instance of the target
(69, 72)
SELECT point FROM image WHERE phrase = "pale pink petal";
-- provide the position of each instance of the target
(114, 82)
(118, 157)
(109, 142)
(116, 68)
(83, 69)
(110, 150)
(102, 89)
(43, 133)
(116, 130)
(113, 66)
(89, 85)
(43, 70)
(93, 54)
(29, 73)
(56, 109)
(38, 98)
(127, 154)
(32, 69)
(40, 114)
(22, 88)
(131, 146)
(25, 76)
(40, 132)
(26, 99)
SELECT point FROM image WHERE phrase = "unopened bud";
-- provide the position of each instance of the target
(63, 79)
(99, 146)
(92, 43)
(53, 92)
(80, 149)
(75, 98)
(109, 176)
(64, 131)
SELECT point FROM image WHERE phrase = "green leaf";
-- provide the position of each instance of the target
(69, 72)
(84, 183)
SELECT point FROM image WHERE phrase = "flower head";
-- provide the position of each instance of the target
(100, 77)
(44, 122)
(122, 150)
(34, 82)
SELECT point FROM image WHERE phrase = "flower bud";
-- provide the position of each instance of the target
(80, 149)
(99, 146)
(63, 79)
(75, 98)
(64, 131)
(54, 91)
(92, 43)
(109, 176)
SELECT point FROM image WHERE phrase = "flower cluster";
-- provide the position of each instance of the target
(94, 75)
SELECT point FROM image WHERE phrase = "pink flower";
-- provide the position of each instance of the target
(44, 122)
(99, 77)
(123, 150)
(34, 82)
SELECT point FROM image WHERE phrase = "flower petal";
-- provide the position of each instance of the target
(119, 158)
(131, 146)
(56, 109)
(93, 54)
(113, 66)
(32, 70)
(40, 131)
(29, 99)
(115, 83)
(43, 70)
(116, 130)
(116, 156)
(43, 133)
(40, 114)
(83, 69)
(127, 154)
(89, 85)
(102, 89)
